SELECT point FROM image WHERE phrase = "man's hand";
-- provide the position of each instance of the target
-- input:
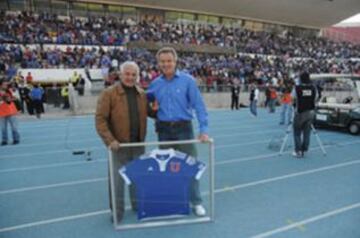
(114, 146)
(203, 137)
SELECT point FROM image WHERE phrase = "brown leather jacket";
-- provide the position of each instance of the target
(112, 115)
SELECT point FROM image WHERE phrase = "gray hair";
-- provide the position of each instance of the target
(166, 50)
(132, 64)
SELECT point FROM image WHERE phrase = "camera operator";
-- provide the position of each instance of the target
(304, 96)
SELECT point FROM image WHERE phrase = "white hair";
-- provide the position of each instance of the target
(132, 64)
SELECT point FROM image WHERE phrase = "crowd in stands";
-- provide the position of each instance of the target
(205, 67)
(46, 28)
(276, 56)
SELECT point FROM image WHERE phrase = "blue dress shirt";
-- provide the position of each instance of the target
(177, 98)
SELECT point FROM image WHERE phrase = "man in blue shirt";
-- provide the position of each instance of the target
(177, 95)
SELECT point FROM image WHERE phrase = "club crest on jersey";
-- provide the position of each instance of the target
(174, 167)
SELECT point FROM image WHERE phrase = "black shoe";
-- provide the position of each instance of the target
(16, 142)
(4, 143)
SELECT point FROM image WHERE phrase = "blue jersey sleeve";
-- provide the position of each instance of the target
(130, 171)
(195, 168)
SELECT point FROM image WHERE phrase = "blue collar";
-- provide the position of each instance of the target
(176, 75)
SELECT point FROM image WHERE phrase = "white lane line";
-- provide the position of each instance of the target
(55, 185)
(228, 161)
(286, 176)
(55, 220)
(64, 140)
(87, 126)
(69, 150)
(307, 221)
(25, 189)
(93, 133)
(256, 157)
(101, 212)
(73, 122)
(102, 147)
(70, 142)
(56, 126)
(53, 165)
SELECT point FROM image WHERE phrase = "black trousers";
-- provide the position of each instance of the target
(234, 102)
(302, 129)
(181, 131)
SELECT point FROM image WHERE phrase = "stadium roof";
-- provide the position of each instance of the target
(305, 13)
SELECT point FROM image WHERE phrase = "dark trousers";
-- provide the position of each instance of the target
(272, 105)
(38, 106)
(302, 129)
(22, 105)
(121, 158)
(234, 102)
(183, 131)
(66, 102)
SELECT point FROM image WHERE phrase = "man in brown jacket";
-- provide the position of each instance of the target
(121, 118)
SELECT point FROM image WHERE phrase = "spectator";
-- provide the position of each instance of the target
(29, 78)
(286, 106)
(74, 79)
(273, 98)
(254, 97)
(80, 87)
(235, 94)
(119, 122)
(65, 96)
(8, 113)
(37, 94)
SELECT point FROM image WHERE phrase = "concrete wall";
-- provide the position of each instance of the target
(87, 104)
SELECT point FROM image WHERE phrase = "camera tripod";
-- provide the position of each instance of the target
(285, 139)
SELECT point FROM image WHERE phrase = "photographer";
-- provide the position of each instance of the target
(304, 96)
(8, 113)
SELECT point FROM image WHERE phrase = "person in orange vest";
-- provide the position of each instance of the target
(273, 98)
(8, 113)
(286, 106)
(29, 78)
